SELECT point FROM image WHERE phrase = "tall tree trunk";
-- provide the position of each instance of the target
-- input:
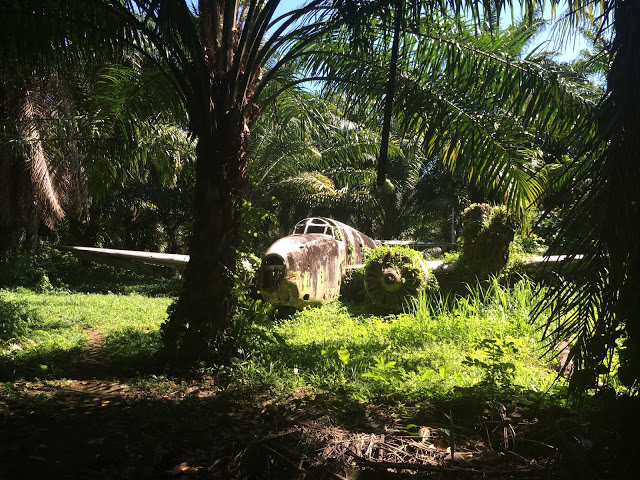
(388, 100)
(199, 325)
(621, 213)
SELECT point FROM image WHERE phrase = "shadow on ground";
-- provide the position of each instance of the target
(121, 354)
(56, 432)
(103, 413)
(104, 429)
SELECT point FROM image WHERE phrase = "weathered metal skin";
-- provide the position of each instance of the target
(306, 267)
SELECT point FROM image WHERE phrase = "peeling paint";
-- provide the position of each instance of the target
(306, 267)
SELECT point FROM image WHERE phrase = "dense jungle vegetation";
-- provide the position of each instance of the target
(210, 128)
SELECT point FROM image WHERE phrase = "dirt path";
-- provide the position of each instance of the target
(95, 383)
(95, 359)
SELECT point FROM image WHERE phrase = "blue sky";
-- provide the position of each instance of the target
(548, 40)
(567, 52)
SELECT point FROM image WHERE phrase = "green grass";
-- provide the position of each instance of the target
(43, 334)
(481, 340)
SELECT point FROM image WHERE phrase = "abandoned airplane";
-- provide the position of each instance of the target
(304, 268)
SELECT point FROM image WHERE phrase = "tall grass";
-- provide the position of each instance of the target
(485, 309)
(437, 345)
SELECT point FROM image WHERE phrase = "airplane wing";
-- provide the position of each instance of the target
(418, 245)
(143, 262)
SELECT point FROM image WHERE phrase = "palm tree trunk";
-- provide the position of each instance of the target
(388, 100)
(199, 324)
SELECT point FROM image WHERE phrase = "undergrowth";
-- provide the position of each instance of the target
(53, 270)
(482, 340)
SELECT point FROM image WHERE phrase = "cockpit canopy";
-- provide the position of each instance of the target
(314, 225)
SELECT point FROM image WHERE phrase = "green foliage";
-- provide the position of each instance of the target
(54, 270)
(487, 234)
(412, 356)
(352, 287)
(95, 123)
(17, 321)
(395, 275)
(342, 354)
(526, 245)
(383, 371)
(477, 104)
(43, 334)
(255, 223)
(24, 271)
(498, 371)
(139, 215)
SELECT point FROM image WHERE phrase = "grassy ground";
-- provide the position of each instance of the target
(439, 345)
(331, 392)
(44, 335)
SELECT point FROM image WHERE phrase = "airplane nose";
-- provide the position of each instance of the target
(273, 272)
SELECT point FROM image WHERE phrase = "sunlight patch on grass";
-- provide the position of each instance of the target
(104, 312)
(44, 333)
(437, 346)
(483, 338)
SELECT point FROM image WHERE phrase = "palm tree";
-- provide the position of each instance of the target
(35, 187)
(600, 310)
(476, 104)
(309, 156)
(220, 57)
(63, 129)
(485, 135)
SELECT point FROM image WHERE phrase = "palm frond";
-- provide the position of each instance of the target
(598, 308)
(478, 106)
(38, 185)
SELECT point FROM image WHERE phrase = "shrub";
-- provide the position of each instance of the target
(16, 321)
(487, 234)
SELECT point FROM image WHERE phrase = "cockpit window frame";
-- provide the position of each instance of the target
(314, 225)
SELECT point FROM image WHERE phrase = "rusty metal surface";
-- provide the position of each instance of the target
(306, 267)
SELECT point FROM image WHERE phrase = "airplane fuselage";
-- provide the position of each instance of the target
(306, 267)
